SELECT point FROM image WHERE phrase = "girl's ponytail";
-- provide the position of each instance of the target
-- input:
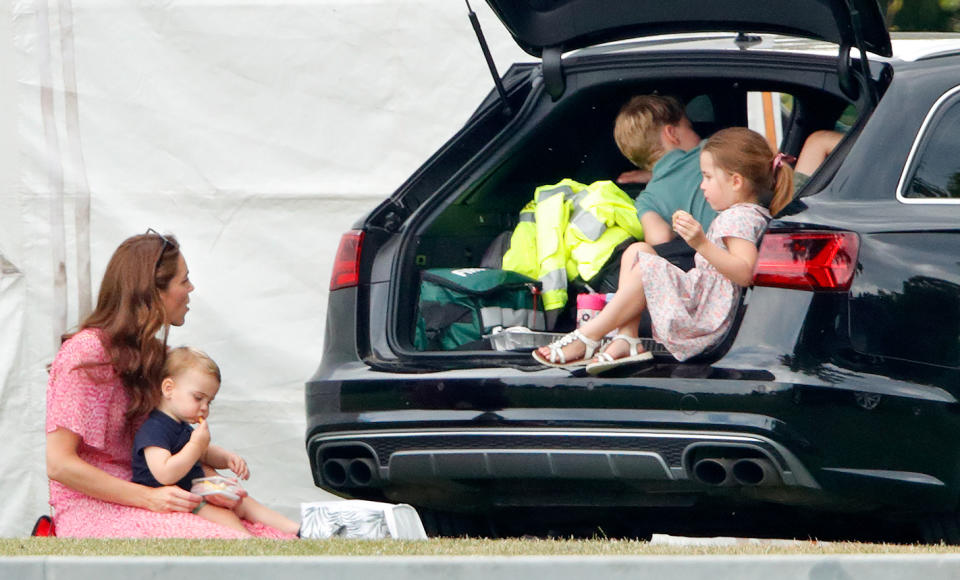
(782, 187)
(741, 150)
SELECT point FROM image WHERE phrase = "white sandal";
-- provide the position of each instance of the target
(556, 351)
(605, 360)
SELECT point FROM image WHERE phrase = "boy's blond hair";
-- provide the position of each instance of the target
(183, 358)
(638, 125)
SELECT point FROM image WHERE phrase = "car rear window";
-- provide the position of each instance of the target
(935, 173)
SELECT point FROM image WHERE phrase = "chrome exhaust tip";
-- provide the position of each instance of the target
(714, 471)
(334, 472)
(753, 471)
(363, 472)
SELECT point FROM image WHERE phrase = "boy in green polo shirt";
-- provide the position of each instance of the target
(654, 133)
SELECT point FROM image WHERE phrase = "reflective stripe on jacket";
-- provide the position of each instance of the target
(523, 244)
(573, 231)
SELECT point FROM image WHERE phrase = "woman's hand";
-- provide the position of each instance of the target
(224, 501)
(171, 498)
(65, 466)
(689, 229)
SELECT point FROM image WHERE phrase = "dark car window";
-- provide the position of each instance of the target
(702, 114)
(773, 114)
(847, 119)
(936, 171)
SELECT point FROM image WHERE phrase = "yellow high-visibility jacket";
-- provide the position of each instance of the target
(570, 230)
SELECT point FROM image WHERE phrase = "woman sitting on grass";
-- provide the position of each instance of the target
(103, 382)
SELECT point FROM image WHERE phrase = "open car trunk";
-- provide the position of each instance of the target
(472, 191)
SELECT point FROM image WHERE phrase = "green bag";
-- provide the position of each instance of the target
(459, 305)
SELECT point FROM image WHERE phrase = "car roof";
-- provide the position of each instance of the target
(906, 47)
(914, 46)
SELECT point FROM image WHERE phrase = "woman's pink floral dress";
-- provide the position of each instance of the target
(92, 402)
(691, 311)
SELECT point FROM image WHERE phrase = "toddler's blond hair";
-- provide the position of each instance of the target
(183, 358)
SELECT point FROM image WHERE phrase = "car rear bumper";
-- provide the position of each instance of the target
(551, 453)
(501, 438)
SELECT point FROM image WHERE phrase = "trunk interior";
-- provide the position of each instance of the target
(546, 141)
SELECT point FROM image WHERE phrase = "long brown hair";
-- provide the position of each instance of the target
(130, 314)
(741, 150)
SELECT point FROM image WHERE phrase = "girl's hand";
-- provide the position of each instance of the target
(171, 498)
(688, 228)
(237, 465)
(201, 434)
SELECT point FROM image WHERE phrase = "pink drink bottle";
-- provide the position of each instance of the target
(588, 306)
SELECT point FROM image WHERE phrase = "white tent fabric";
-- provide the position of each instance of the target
(255, 131)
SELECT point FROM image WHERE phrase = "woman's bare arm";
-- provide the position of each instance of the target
(66, 466)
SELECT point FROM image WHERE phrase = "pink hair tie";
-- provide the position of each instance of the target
(779, 159)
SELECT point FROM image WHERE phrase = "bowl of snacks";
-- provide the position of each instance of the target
(216, 485)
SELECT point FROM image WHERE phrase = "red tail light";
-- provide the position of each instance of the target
(346, 266)
(807, 260)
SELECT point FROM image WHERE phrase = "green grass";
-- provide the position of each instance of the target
(436, 547)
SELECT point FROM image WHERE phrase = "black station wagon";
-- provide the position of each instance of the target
(833, 397)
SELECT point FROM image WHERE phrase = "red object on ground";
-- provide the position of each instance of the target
(44, 527)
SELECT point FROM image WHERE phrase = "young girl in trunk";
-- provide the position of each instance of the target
(744, 180)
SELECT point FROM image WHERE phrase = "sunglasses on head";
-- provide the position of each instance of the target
(166, 242)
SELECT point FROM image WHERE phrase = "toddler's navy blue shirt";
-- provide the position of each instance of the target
(161, 430)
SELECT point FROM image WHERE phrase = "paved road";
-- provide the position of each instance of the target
(878, 567)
